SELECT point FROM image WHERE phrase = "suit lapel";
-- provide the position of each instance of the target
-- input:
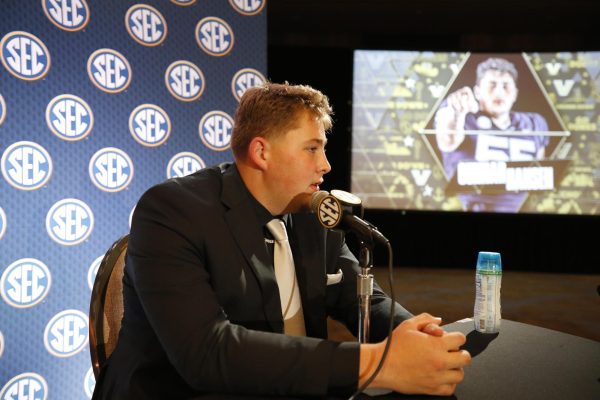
(249, 236)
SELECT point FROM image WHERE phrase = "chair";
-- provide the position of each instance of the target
(106, 304)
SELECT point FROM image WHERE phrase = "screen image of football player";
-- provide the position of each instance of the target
(478, 124)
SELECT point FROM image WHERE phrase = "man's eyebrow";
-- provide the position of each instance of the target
(317, 141)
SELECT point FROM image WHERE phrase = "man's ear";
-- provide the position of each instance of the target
(258, 152)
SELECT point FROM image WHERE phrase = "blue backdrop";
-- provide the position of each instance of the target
(99, 100)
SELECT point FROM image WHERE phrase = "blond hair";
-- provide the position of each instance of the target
(272, 109)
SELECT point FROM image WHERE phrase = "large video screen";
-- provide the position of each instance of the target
(505, 133)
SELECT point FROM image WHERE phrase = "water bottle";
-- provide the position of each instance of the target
(488, 278)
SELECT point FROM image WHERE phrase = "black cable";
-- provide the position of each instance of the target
(391, 327)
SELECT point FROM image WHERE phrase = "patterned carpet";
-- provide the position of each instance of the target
(563, 302)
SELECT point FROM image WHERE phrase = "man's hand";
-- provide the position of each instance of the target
(434, 328)
(421, 359)
(450, 120)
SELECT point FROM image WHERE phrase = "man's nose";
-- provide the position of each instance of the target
(325, 166)
(499, 90)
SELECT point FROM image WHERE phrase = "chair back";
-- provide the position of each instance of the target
(106, 304)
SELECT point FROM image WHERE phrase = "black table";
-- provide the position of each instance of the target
(528, 362)
(520, 362)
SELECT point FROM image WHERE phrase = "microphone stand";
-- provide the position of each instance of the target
(364, 289)
(367, 235)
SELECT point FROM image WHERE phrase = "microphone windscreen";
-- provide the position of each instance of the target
(316, 199)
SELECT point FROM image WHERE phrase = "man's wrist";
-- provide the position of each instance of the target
(370, 356)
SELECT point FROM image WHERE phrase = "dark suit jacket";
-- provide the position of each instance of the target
(202, 310)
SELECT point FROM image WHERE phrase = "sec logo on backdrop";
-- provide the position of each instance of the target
(93, 271)
(68, 15)
(89, 383)
(69, 117)
(2, 109)
(248, 7)
(214, 36)
(146, 25)
(149, 125)
(111, 169)
(24, 55)
(66, 334)
(25, 283)
(245, 79)
(2, 222)
(183, 164)
(109, 70)
(215, 130)
(69, 222)
(26, 165)
(27, 386)
(183, 2)
(184, 80)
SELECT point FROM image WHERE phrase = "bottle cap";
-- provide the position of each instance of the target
(489, 261)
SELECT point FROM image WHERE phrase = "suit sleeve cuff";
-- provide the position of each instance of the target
(343, 378)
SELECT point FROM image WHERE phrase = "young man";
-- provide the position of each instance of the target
(202, 303)
(467, 115)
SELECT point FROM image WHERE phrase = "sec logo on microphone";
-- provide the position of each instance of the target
(330, 212)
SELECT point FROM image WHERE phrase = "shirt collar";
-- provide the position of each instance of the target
(262, 214)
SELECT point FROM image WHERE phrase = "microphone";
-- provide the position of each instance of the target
(343, 210)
